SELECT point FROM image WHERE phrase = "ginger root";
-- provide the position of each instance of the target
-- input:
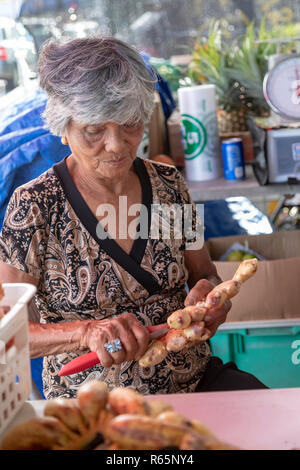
(92, 398)
(67, 411)
(3, 309)
(245, 270)
(1, 291)
(121, 419)
(127, 401)
(186, 325)
(137, 432)
(37, 434)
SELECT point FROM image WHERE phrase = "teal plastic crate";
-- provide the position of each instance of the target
(268, 349)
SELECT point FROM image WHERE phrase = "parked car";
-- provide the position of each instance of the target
(41, 29)
(18, 54)
(81, 29)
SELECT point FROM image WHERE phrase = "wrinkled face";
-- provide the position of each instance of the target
(104, 151)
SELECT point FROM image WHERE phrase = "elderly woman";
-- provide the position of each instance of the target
(95, 290)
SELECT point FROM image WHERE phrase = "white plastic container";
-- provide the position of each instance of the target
(15, 372)
(198, 109)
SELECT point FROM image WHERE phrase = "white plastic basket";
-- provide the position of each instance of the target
(15, 372)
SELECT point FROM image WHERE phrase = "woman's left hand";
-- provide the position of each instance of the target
(216, 316)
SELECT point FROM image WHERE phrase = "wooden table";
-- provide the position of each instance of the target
(220, 188)
(254, 420)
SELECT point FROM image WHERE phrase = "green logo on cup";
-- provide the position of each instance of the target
(195, 136)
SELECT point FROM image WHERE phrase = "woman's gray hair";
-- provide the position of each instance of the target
(94, 80)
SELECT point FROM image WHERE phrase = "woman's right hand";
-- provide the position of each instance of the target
(133, 335)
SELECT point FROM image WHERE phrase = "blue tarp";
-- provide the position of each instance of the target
(27, 148)
(163, 88)
(234, 216)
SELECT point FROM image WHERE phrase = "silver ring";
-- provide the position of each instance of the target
(114, 346)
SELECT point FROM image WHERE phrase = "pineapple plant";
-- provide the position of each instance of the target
(238, 69)
(249, 61)
(249, 64)
(211, 63)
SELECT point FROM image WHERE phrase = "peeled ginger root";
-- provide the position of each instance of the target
(186, 325)
(246, 270)
(215, 298)
(174, 341)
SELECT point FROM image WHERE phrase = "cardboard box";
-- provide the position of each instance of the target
(157, 129)
(274, 291)
(175, 138)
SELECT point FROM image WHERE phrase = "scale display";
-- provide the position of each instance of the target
(282, 87)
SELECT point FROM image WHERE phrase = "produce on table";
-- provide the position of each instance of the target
(248, 256)
(128, 402)
(68, 412)
(121, 419)
(187, 327)
(3, 310)
(38, 434)
(92, 398)
(158, 407)
(235, 256)
(239, 255)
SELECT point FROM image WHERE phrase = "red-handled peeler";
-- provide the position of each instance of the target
(91, 359)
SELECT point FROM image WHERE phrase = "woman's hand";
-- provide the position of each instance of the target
(133, 335)
(216, 316)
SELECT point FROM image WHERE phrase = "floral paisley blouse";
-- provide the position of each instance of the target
(50, 233)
